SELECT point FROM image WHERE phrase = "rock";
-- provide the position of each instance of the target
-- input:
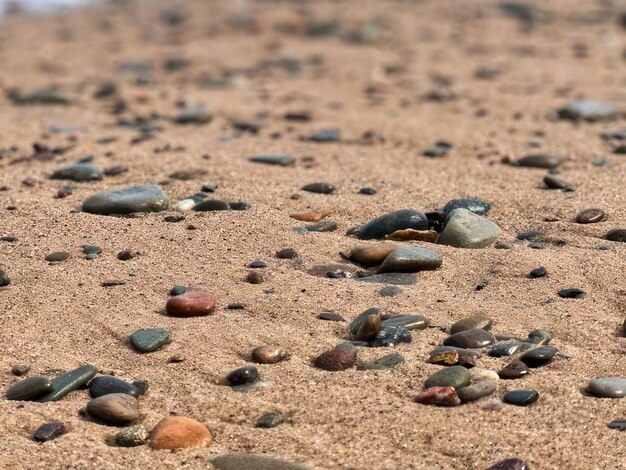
(68, 382)
(429, 236)
(208, 188)
(387, 362)
(478, 374)
(178, 290)
(608, 387)
(477, 391)
(210, 205)
(49, 431)
(390, 336)
(390, 291)
(368, 329)
(538, 357)
(409, 321)
(442, 396)
(29, 389)
(367, 191)
(269, 354)
(342, 357)
(4, 278)
(538, 272)
(521, 397)
(473, 338)
(514, 370)
(355, 324)
(371, 255)
(619, 424)
(587, 110)
(330, 134)
(464, 229)
(126, 255)
(538, 337)
(411, 259)
(477, 206)
(552, 182)
(179, 432)
(254, 462)
(439, 149)
(270, 419)
(617, 235)
(322, 226)
(571, 293)
(20, 369)
(141, 385)
(243, 375)
(280, 160)
(254, 277)
(330, 316)
(389, 223)
(257, 265)
(132, 436)
(541, 160)
(92, 250)
(398, 279)
(106, 384)
(473, 321)
(141, 198)
(590, 216)
(450, 355)
(192, 303)
(286, 253)
(146, 340)
(194, 115)
(319, 188)
(57, 256)
(313, 215)
(185, 205)
(78, 172)
(114, 408)
(510, 464)
(453, 376)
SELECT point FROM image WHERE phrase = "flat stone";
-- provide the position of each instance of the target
(179, 432)
(477, 391)
(521, 397)
(192, 303)
(279, 160)
(538, 357)
(538, 337)
(409, 321)
(78, 172)
(608, 387)
(571, 293)
(210, 205)
(254, 462)
(368, 329)
(411, 259)
(397, 279)
(115, 409)
(390, 336)
(590, 216)
(541, 160)
(243, 375)
(587, 110)
(342, 357)
(269, 354)
(194, 115)
(616, 235)
(149, 339)
(505, 348)
(141, 198)
(312, 215)
(390, 361)
(473, 321)
(330, 316)
(132, 436)
(271, 419)
(514, 370)
(408, 234)
(553, 182)
(319, 188)
(371, 255)
(29, 389)
(106, 384)
(177, 290)
(441, 396)
(68, 382)
(538, 272)
(322, 226)
(510, 464)
(453, 376)
(390, 291)
(386, 224)
(57, 256)
(464, 229)
(473, 338)
(477, 206)
(92, 250)
(330, 134)
(49, 431)
(619, 424)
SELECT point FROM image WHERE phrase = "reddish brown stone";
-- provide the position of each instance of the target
(191, 304)
(341, 357)
(178, 432)
(442, 396)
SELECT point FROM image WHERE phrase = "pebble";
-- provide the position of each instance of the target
(514, 370)
(68, 382)
(313, 215)
(587, 110)
(29, 389)
(254, 462)
(571, 293)
(538, 357)
(210, 205)
(146, 340)
(319, 188)
(608, 387)
(449, 356)
(322, 226)
(552, 182)
(106, 384)
(127, 255)
(590, 216)
(473, 338)
(390, 291)
(114, 408)
(286, 253)
(409, 321)
(140, 198)
(185, 205)
(538, 337)
(371, 255)
(20, 369)
(538, 272)
(619, 424)
(387, 362)
(269, 354)
(271, 419)
(330, 316)
(208, 188)
(236, 306)
(192, 303)
(194, 115)
(368, 329)
(521, 397)
(411, 259)
(441, 396)
(617, 235)
(367, 191)
(331, 134)
(92, 250)
(57, 256)
(132, 436)
(541, 160)
(473, 321)
(464, 229)
(280, 160)
(478, 374)
(477, 391)
(429, 236)
(49, 431)
(177, 290)
(341, 357)
(510, 464)
(477, 206)
(386, 224)
(254, 277)
(390, 336)
(78, 172)
(4, 277)
(179, 432)
(453, 376)
(174, 218)
(243, 375)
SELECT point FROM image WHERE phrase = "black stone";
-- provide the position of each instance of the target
(330, 316)
(571, 293)
(257, 264)
(106, 384)
(280, 160)
(367, 191)
(286, 253)
(390, 336)
(243, 375)
(537, 357)
(47, 432)
(473, 338)
(521, 397)
(270, 419)
(477, 206)
(389, 223)
(29, 389)
(319, 188)
(178, 290)
(538, 272)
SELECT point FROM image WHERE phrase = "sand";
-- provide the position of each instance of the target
(60, 317)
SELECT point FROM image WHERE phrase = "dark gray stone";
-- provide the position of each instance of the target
(149, 339)
(388, 223)
(30, 388)
(141, 198)
(68, 382)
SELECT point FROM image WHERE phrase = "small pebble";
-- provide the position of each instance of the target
(270, 419)
(269, 354)
(243, 375)
(538, 272)
(521, 397)
(114, 408)
(179, 432)
(57, 256)
(286, 253)
(132, 436)
(49, 431)
(590, 216)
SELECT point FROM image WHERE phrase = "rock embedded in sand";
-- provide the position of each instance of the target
(149, 339)
(313, 215)
(477, 390)
(319, 188)
(322, 226)
(368, 329)
(514, 370)
(538, 272)
(371, 255)
(29, 389)
(538, 357)
(538, 337)
(271, 419)
(510, 464)
(341, 357)
(552, 182)
(211, 205)
(57, 256)
(441, 396)
(179, 432)
(254, 277)
(254, 462)
(330, 316)
(4, 277)
(608, 387)
(472, 338)
(78, 172)
(68, 382)
(473, 321)
(540, 160)
(193, 303)
(107, 384)
(269, 354)
(279, 160)
(587, 110)
(243, 376)
(477, 206)
(590, 216)
(617, 235)
(449, 356)
(49, 431)
(464, 229)
(573, 293)
(390, 361)
(454, 376)
(505, 348)
(132, 436)
(20, 369)
(330, 134)
(390, 336)
(521, 397)
(140, 198)
(386, 224)
(114, 408)
(429, 236)
(194, 115)
(286, 253)
(409, 259)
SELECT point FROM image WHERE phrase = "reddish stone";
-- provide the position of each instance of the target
(341, 358)
(442, 396)
(192, 303)
(178, 432)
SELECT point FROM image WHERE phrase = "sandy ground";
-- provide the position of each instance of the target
(59, 316)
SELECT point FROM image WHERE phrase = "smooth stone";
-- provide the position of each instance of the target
(539, 337)
(473, 321)
(477, 206)
(450, 355)
(132, 436)
(331, 134)
(587, 110)
(590, 216)
(254, 277)
(271, 419)
(49, 431)
(505, 348)
(330, 316)
(140, 385)
(68, 382)
(355, 324)
(92, 250)
(208, 188)
(510, 464)
(453, 376)
(243, 375)
(391, 336)
(410, 259)
(78, 172)
(319, 188)
(537, 357)
(616, 235)
(185, 205)
(4, 277)
(571, 293)
(286, 253)
(397, 279)
(194, 115)
(280, 160)
(178, 290)
(468, 339)
(106, 384)
(541, 160)
(464, 229)
(368, 329)
(342, 357)
(410, 234)
(210, 205)
(257, 264)
(391, 222)
(538, 272)
(179, 432)
(409, 321)
(477, 391)
(115, 409)
(619, 424)
(531, 235)
(367, 191)
(254, 462)
(521, 397)
(146, 340)
(441, 396)
(250, 387)
(552, 182)
(371, 255)
(390, 291)
(192, 303)
(387, 362)
(29, 389)
(514, 370)
(322, 226)
(140, 198)
(269, 354)
(478, 374)
(91, 257)
(608, 387)
(57, 256)
(20, 369)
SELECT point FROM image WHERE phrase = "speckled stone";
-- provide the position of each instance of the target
(141, 198)
(271, 419)
(464, 229)
(477, 391)
(450, 355)
(342, 357)
(410, 259)
(473, 338)
(453, 376)
(473, 321)
(132, 436)
(387, 362)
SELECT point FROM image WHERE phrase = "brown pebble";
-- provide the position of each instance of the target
(617, 235)
(286, 253)
(20, 369)
(590, 216)
(127, 255)
(368, 329)
(178, 432)
(178, 357)
(342, 357)
(372, 255)
(192, 303)
(254, 277)
(269, 354)
(429, 236)
(114, 408)
(314, 215)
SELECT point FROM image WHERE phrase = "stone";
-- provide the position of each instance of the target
(398, 279)
(590, 216)
(192, 303)
(478, 374)
(312, 215)
(126, 255)
(521, 397)
(514, 370)
(587, 110)
(608, 387)
(371, 255)
(92, 250)
(355, 324)
(243, 375)
(319, 188)
(538, 357)
(409, 321)
(390, 291)
(141, 385)
(341, 357)
(510, 464)
(541, 160)
(4, 277)
(210, 205)
(552, 182)
(29, 389)
(450, 355)
(477, 206)
(330, 316)
(538, 272)
(78, 172)
(49, 431)
(106, 384)
(390, 336)
(280, 160)
(387, 362)
(477, 391)
(473, 338)
(68, 382)
(409, 234)
(140, 198)
(115, 409)
(269, 354)
(411, 259)
(20, 369)
(386, 224)
(179, 432)
(178, 290)
(571, 293)
(257, 265)
(441, 396)
(254, 277)
(619, 424)
(367, 191)
(368, 329)
(132, 436)
(616, 235)
(473, 321)
(271, 419)
(254, 462)
(57, 256)
(194, 115)
(538, 337)
(322, 226)
(453, 376)
(330, 134)
(208, 188)
(146, 340)
(286, 253)
(464, 229)
(185, 205)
